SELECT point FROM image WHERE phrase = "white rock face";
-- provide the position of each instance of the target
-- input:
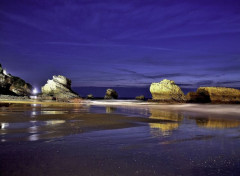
(167, 90)
(62, 80)
(59, 87)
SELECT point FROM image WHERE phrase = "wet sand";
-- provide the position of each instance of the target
(86, 139)
(220, 109)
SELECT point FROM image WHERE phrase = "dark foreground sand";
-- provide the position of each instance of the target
(118, 138)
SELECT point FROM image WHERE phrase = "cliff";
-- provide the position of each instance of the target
(12, 85)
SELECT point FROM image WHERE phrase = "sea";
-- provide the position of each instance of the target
(123, 92)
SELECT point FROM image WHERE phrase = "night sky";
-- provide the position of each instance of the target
(122, 43)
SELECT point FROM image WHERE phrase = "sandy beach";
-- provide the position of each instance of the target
(220, 109)
(118, 138)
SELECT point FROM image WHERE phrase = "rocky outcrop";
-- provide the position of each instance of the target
(214, 95)
(59, 88)
(167, 91)
(12, 85)
(198, 97)
(90, 96)
(141, 97)
(11, 97)
(111, 94)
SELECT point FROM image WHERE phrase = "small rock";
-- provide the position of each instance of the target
(141, 97)
(90, 96)
(111, 94)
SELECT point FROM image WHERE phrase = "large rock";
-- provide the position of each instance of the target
(111, 94)
(201, 96)
(167, 91)
(60, 88)
(12, 85)
(215, 95)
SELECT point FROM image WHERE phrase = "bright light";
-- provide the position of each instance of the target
(5, 72)
(4, 125)
(35, 91)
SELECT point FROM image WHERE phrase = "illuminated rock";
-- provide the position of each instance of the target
(12, 85)
(60, 88)
(90, 96)
(214, 95)
(111, 94)
(167, 91)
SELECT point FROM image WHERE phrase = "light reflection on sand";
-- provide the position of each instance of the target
(57, 121)
(164, 128)
(115, 139)
(217, 123)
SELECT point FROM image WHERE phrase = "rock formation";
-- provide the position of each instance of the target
(90, 96)
(167, 91)
(111, 94)
(12, 85)
(201, 96)
(58, 88)
(214, 95)
(141, 97)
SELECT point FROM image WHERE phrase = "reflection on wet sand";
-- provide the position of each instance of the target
(110, 109)
(31, 123)
(217, 123)
(164, 128)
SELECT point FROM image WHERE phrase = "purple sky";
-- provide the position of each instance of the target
(122, 43)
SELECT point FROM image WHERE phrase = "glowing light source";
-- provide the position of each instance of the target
(35, 91)
(5, 72)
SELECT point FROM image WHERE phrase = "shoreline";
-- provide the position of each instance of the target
(217, 109)
(36, 102)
